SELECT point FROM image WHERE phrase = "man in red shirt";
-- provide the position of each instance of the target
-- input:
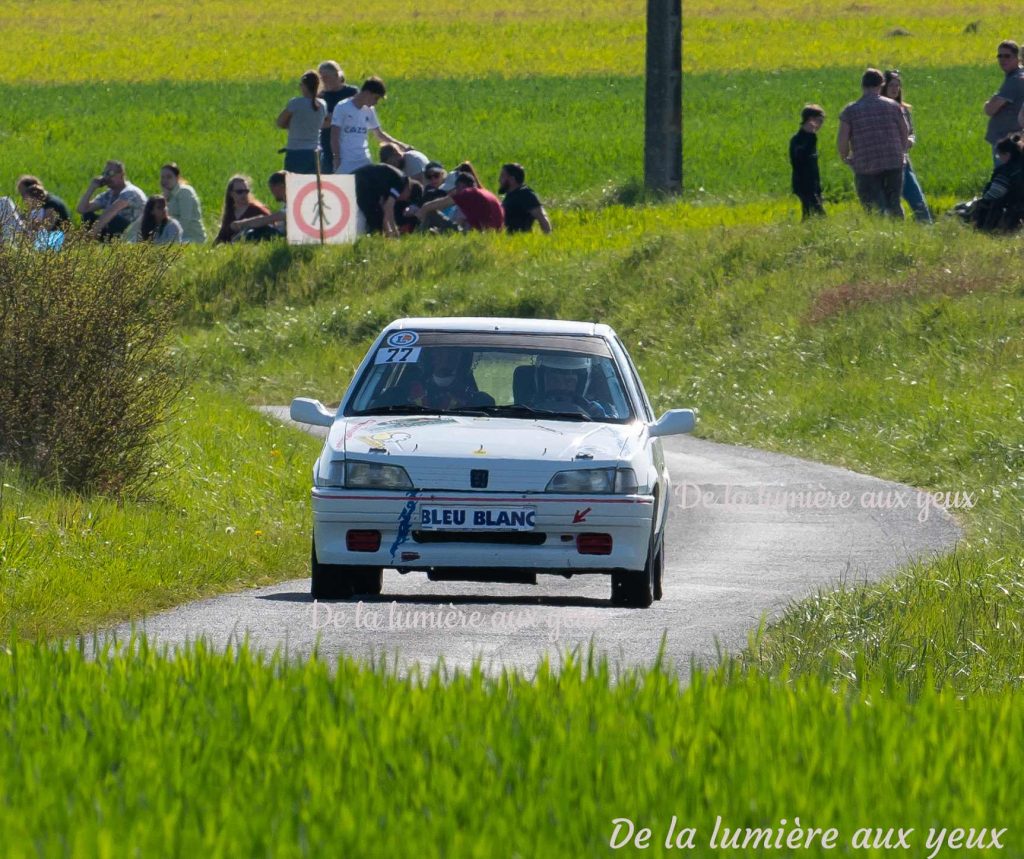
(479, 207)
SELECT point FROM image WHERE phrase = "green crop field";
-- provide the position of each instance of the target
(887, 348)
(559, 88)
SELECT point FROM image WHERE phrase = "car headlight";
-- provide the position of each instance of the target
(375, 475)
(620, 481)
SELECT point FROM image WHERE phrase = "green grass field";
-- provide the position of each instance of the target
(463, 85)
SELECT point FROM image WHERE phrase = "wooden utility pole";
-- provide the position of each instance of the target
(663, 103)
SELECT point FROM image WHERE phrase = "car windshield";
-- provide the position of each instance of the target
(532, 377)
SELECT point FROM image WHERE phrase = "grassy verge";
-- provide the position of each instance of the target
(223, 755)
(231, 513)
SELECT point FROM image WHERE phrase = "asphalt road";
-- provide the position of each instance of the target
(763, 530)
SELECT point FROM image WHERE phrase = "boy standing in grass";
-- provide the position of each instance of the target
(803, 156)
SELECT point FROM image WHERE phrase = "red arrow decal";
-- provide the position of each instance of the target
(580, 516)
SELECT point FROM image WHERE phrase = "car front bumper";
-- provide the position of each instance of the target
(549, 546)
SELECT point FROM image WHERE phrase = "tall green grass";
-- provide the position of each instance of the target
(225, 755)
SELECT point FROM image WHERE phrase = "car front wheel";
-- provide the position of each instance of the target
(640, 588)
(339, 582)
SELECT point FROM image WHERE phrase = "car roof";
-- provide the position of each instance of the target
(502, 324)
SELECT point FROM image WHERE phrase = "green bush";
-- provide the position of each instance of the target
(86, 380)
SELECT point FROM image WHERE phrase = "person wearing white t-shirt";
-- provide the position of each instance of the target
(351, 121)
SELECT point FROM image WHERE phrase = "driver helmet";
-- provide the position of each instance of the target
(444, 366)
(565, 363)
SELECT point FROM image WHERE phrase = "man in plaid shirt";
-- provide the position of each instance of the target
(873, 137)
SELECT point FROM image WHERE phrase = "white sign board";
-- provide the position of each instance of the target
(335, 205)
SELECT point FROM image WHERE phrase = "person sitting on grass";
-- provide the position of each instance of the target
(272, 225)
(111, 213)
(157, 226)
(182, 204)
(239, 204)
(479, 209)
(1001, 206)
(44, 209)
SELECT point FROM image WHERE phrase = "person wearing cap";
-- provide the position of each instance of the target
(478, 207)
(352, 120)
(562, 382)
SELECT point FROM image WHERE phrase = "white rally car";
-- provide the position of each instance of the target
(491, 450)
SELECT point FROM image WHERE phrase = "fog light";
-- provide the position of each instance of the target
(593, 544)
(362, 541)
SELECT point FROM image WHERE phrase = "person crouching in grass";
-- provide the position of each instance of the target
(803, 156)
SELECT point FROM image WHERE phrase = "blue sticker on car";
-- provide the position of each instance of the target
(404, 524)
(401, 339)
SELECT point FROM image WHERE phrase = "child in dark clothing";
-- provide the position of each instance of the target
(803, 155)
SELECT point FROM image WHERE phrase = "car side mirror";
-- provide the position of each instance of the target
(673, 422)
(307, 411)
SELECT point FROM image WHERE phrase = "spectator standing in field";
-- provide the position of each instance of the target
(333, 89)
(412, 162)
(803, 158)
(1004, 108)
(873, 137)
(353, 119)
(521, 205)
(304, 116)
(118, 206)
(182, 204)
(379, 188)
(912, 193)
(44, 208)
(270, 226)
(239, 204)
(479, 209)
(157, 225)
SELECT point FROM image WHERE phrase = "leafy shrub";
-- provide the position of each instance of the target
(86, 379)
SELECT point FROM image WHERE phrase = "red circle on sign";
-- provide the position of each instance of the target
(308, 229)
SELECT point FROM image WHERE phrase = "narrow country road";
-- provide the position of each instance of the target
(749, 532)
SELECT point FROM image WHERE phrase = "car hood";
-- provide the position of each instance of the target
(458, 436)
(438, 451)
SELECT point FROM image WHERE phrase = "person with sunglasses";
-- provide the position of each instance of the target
(239, 204)
(1004, 108)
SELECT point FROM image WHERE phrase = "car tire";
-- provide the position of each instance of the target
(339, 582)
(639, 588)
